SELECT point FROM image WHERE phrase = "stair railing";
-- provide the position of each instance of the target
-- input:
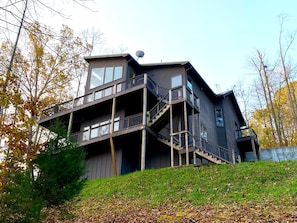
(158, 107)
(215, 150)
(176, 140)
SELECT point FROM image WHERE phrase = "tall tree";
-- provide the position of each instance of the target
(285, 118)
(267, 88)
(41, 75)
(286, 70)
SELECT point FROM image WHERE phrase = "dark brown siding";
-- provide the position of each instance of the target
(163, 76)
(99, 165)
(207, 116)
(230, 120)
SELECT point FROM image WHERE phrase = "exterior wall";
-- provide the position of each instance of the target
(130, 158)
(207, 115)
(162, 76)
(157, 157)
(221, 130)
(231, 124)
(99, 164)
(94, 120)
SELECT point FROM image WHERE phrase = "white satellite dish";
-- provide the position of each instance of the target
(139, 54)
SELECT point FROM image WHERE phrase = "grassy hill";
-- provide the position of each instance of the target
(246, 192)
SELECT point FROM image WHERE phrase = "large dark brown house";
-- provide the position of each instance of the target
(138, 116)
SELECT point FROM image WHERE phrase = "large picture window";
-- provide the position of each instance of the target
(104, 75)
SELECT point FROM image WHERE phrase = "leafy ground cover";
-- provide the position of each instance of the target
(246, 192)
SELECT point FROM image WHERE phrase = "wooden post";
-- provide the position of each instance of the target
(143, 138)
(233, 156)
(180, 159)
(254, 149)
(113, 159)
(186, 126)
(112, 147)
(171, 129)
(70, 125)
(70, 121)
(193, 128)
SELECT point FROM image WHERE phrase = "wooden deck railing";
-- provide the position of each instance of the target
(108, 90)
(213, 149)
(246, 132)
(158, 107)
(96, 131)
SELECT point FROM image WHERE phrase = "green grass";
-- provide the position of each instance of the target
(245, 192)
(210, 184)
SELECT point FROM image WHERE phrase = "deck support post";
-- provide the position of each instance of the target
(114, 163)
(144, 121)
(70, 121)
(171, 129)
(112, 147)
(180, 159)
(186, 125)
(233, 156)
(254, 149)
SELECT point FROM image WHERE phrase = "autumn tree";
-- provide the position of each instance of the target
(41, 75)
(265, 92)
(275, 116)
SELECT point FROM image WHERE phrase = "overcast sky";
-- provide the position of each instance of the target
(216, 36)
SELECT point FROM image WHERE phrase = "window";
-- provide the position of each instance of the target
(108, 75)
(219, 117)
(189, 85)
(98, 95)
(176, 81)
(104, 128)
(94, 131)
(118, 73)
(116, 124)
(97, 77)
(104, 75)
(203, 132)
(99, 129)
(86, 133)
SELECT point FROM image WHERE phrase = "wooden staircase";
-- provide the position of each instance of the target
(167, 142)
(158, 118)
(158, 114)
(208, 156)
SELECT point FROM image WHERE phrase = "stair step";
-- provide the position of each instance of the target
(208, 156)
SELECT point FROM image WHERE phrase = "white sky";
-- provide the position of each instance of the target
(216, 36)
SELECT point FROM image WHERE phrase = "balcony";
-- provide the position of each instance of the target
(116, 89)
(245, 134)
(99, 95)
(102, 131)
(248, 144)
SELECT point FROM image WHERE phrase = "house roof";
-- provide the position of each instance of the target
(235, 104)
(189, 67)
